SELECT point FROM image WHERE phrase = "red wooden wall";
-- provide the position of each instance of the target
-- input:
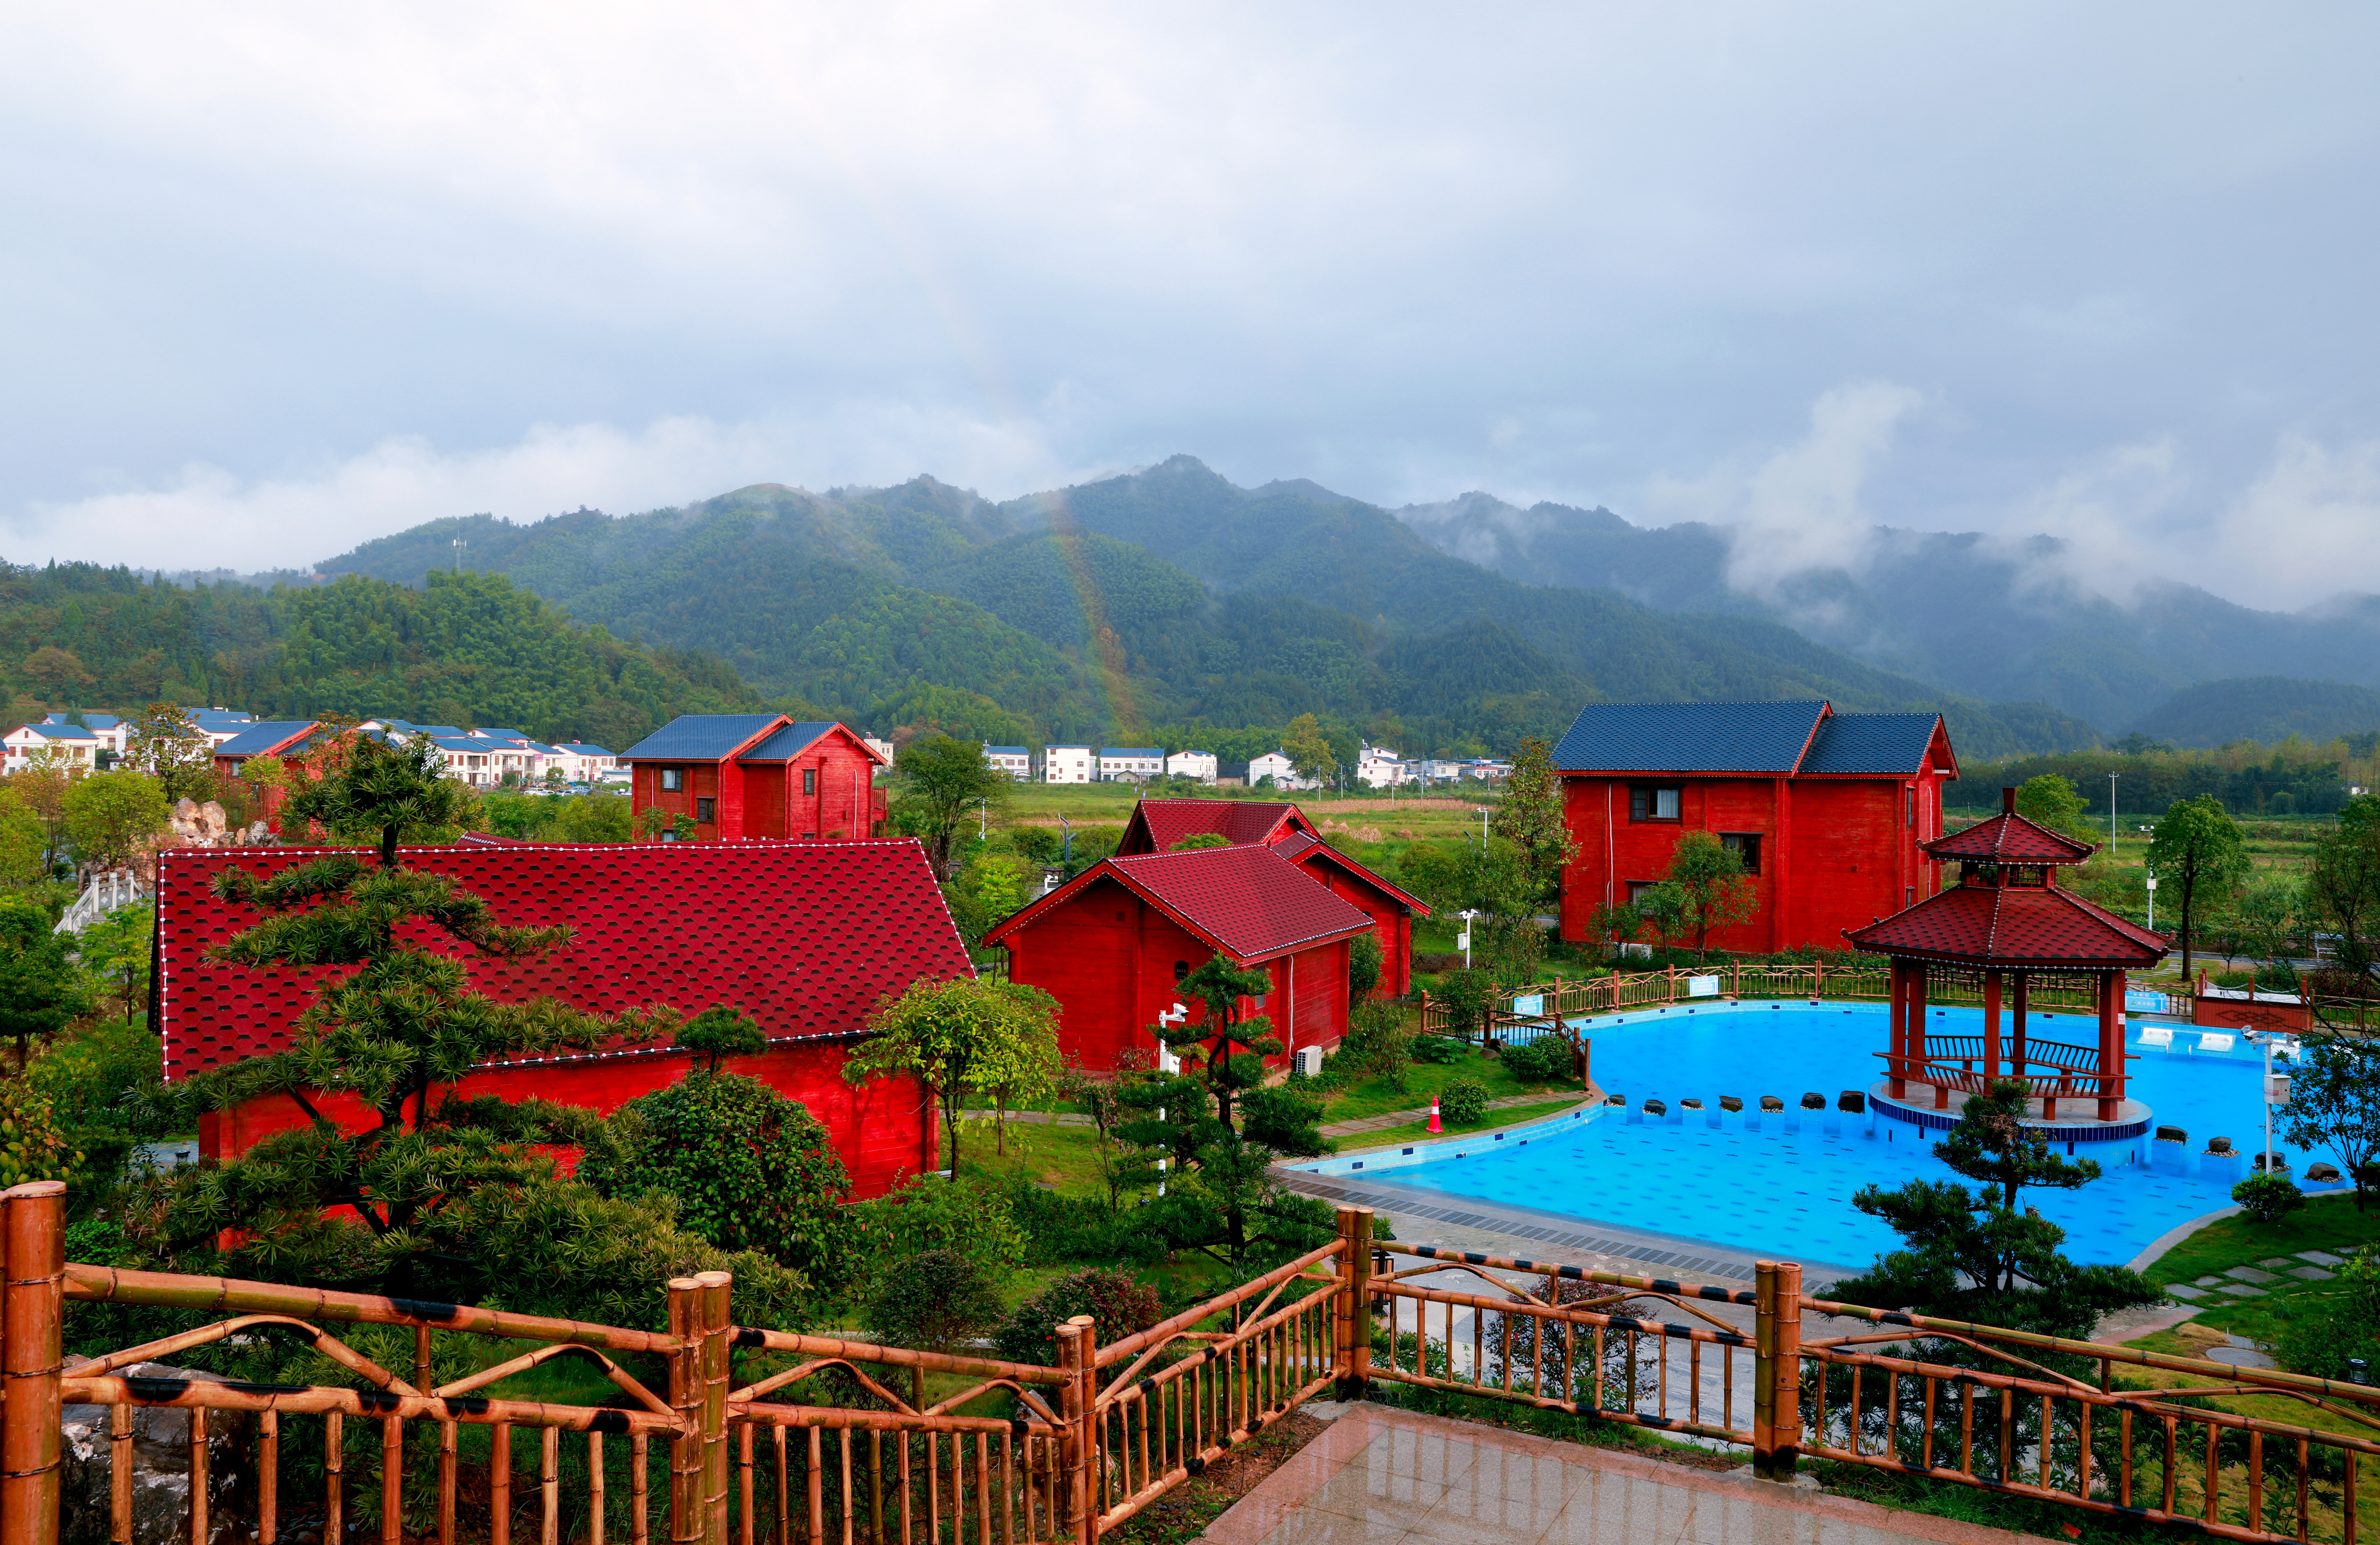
(883, 1130)
(1836, 852)
(1392, 923)
(1110, 959)
(765, 798)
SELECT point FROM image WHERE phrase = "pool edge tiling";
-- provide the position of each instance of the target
(1701, 1181)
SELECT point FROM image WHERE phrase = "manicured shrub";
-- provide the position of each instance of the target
(1440, 1050)
(1118, 1303)
(1544, 1061)
(1463, 1101)
(2267, 1197)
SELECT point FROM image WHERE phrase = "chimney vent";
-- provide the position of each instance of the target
(2007, 801)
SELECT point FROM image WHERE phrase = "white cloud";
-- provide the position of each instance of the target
(2308, 529)
(207, 517)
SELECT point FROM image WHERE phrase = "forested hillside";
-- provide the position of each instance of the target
(1993, 619)
(2266, 709)
(1166, 598)
(465, 649)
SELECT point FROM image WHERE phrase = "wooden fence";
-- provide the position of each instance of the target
(1026, 1454)
(1522, 1013)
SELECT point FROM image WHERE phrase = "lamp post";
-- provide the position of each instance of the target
(1168, 1062)
(2152, 904)
(1463, 943)
(2287, 1047)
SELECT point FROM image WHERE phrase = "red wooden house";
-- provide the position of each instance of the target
(757, 775)
(1829, 811)
(1157, 824)
(802, 938)
(1112, 943)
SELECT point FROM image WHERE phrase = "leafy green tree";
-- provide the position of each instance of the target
(2342, 887)
(934, 1301)
(23, 840)
(1530, 817)
(720, 1033)
(959, 1037)
(1364, 963)
(1119, 1306)
(2198, 852)
(2335, 1106)
(48, 775)
(987, 887)
(939, 785)
(110, 815)
(749, 1169)
(167, 745)
(113, 951)
(58, 674)
(1705, 890)
(32, 1145)
(1467, 996)
(1494, 879)
(2266, 921)
(1308, 748)
(2052, 800)
(1199, 841)
(1969, 1255)
(1617, 922)
(40, 992)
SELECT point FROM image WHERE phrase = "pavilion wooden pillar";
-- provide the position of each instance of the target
(2016, 1024)
(1917, 1030)
(1991, 1028)
(2112, 1045)
(1898, 1068)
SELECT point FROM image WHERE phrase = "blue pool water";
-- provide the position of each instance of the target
(1789, 1196)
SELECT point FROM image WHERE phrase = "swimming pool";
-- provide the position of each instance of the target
(1788, 1195)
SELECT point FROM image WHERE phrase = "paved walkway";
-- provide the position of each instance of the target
(1382, 1476)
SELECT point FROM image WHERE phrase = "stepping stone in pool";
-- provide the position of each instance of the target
(2314, 1275)
(2185, 1292)
(2321, 1257)
(2250, 1274)
(2278, 1263)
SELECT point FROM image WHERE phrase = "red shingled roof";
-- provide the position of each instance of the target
(1248, 901)
(1157, 824)
(802, 936)
(1304, 850)
(2010, 838)
(1988, 925)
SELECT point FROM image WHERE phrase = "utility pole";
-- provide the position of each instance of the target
(459, 545)
(2111, 814)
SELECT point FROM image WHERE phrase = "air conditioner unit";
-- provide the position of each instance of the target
(1307, 1060)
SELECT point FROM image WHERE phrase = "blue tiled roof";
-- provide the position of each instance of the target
(991, 750)
(262, 737)
(1121, 751)
(584, 749)
(1887, 743)
(700, 737)
(61, 732)
(501, 734)
(90, 721)
(1688, 737)
(788, 743)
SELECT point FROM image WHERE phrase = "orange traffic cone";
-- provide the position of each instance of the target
(1433, 1114)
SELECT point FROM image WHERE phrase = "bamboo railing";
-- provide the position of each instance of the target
(1022, 1454)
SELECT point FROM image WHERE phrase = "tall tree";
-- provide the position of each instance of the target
(940, 784)
(111, 817)
(2334, 1105)
(1308, 748)
(41, 993)
(958, 1037)
(57, 674)
(42, 786)
(1705, 890)
(2051, 800)
(168, 746)
(24, 838)
(2342, 889)
(361, 785)
(1530, 816)
(2197, 851)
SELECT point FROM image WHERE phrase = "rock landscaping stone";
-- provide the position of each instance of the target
(2322, 1257)
(2314, 1275)
(2185, 1292)
(2250, 1274)
(2277, 1262)
(2242, 1290)
(2214, 1282)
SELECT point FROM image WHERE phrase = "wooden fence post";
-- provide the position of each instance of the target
(1353, 1317)
(686, 1399)
(1074, 1521)
(32, 1265)
(1777, 1371)
(716, 1328)
(1087, 1374)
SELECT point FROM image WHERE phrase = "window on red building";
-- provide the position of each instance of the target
(1655, 804)
(672, 779)
(809, 780)
(1636, 889)
(706, 810)
(1744, 846)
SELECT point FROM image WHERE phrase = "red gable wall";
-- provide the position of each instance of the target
(804, 938)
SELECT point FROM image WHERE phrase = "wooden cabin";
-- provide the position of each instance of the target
(1829, 811)
(737, 775)
(804, 939)
(1112, 944)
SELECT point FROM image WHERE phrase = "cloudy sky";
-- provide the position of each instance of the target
(280, 278)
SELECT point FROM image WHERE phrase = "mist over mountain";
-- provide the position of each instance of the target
(1979, 616)
(1167, 597)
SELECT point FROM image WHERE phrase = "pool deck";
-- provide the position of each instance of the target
(1378, 1475)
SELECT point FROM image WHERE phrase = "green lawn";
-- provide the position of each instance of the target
(2323, 1224)
(1510, 1117)
(1377, 1096)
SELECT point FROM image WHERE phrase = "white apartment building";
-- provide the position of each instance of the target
(1068, 764)
(883, 749)
(1192, 764)
(1014, 760)
(1130, 764)
(110, 731)
(1378, 767)
(80, 746)
(583, 762)
(1280, 769)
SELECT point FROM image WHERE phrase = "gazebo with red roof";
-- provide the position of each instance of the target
(1112, 944)
(2008, 919)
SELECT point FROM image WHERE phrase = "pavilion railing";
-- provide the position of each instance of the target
(830, 1448)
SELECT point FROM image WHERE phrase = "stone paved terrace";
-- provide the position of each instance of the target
(1378, 1475)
